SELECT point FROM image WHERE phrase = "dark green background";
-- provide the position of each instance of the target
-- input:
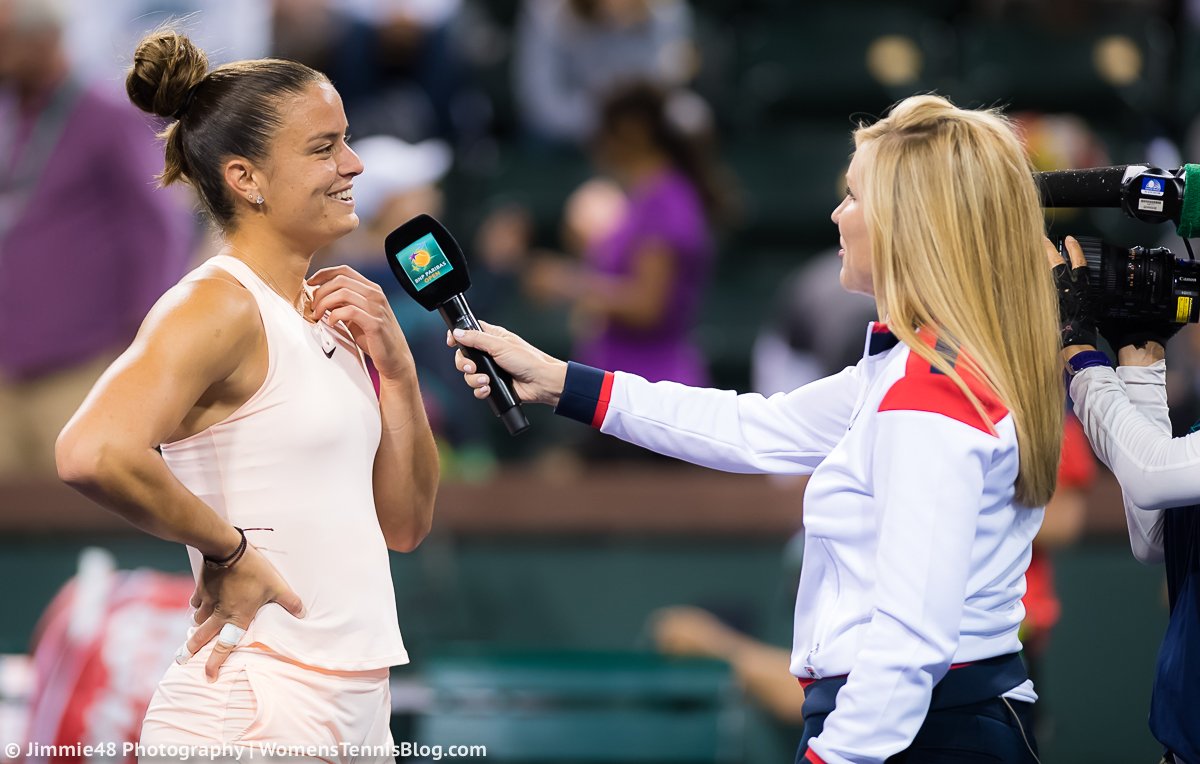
(457, 595)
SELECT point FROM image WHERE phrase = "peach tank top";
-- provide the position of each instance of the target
(297, 457)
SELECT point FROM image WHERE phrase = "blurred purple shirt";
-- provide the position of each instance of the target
(96, 242)
(666, 210)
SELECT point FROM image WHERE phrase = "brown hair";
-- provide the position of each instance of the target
(230, 111)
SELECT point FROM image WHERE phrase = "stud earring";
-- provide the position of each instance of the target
(259, 199)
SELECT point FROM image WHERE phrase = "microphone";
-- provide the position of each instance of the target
(430, 266)
(1146, 193)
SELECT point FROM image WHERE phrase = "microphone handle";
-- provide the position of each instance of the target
(503, 400)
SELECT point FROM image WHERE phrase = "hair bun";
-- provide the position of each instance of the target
(166, 66)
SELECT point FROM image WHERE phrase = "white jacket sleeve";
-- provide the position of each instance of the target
(1124, 414)
(786, 434)
(929, 476)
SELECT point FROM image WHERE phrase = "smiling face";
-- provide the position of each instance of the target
(854, 237)
(308, 176)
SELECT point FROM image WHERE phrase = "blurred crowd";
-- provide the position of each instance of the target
(640, 184)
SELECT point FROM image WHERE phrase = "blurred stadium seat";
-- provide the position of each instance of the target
(581, 707)
(815, 60)
(790, 180)
(1105, 72)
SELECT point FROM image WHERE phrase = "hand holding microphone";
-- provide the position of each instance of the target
(430, 266)
(537, 377)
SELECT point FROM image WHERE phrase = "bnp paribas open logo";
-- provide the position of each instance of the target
(424, 261)
(418, 261)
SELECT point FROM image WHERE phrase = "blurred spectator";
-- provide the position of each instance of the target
(396, 63)
(569, 53)
(637, 292)
(87, 244)
(763, 670)
(1060, 141)
(813, 331)
(415, 42)
(99, 36)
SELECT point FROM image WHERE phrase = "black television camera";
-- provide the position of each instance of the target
(1135, 282)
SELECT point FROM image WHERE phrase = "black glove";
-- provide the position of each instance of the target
(1137, 332)
(1076, 317)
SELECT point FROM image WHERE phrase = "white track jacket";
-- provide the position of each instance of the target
(915, 551)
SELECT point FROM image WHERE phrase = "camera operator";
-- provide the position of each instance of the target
(1124, 413)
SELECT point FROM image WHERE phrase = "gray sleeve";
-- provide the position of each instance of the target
(1124, 414)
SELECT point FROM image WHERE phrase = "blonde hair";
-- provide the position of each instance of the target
(956, 233)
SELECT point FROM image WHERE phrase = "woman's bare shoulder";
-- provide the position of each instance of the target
(208, 314)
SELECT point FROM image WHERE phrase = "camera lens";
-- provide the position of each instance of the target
(1141, 283)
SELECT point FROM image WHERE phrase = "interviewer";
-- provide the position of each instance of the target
(931, 459)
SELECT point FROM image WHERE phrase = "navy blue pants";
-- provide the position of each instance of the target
(979, 732)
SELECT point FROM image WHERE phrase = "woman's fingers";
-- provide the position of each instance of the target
(536, 376)
(462, 363)
(198, 637)
(351, 315)
(467, 367)
(1075, 251)
(479, 383)
(230, 600)
(495, 329)
(488, 343)
(228, 637)
(1052, 253)
(328, 297)
(492, 329)
(290, 601)
(202, 613)
(228, 632)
